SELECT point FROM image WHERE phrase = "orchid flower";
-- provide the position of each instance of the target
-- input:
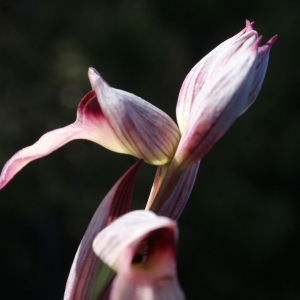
(148, 274)
(218, 89)
(140, 246)
(89, 278)
(116, 120)
(222, 86)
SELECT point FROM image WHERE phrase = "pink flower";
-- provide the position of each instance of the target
(219, 88)
(216, 91)
(141, 246)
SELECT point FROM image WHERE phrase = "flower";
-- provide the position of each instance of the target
(219, 88)
(140, 248)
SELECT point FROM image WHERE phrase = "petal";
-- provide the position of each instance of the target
(143, 130)
(173, 207)
(125, 124)
(138, 287)
(171, 190)
(153, 277)
(260, 72)
(205, 70)
(90, 124)
(220, 101)
(86, 266)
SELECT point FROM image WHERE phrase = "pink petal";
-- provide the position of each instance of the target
(173, 207)
(163, 186)
(90, 124)
(153, 277)
(118, 121)
(205, 70)
(143, 129)
(45, 145)
(221, 99)
(86, 265)
(171, 190)
(260, 72)
(217, 90)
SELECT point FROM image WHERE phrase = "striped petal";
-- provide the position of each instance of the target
(142, 129)
(216, 91)
(260, 72)
(201, 73)
(86, 266)
(171, 192)
(221, 99)
(116, 120)
(151, 276)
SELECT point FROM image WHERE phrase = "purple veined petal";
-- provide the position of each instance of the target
(118, 121)
(206, 69)
(150, 277)
(260, 72)
(143, 129)
(220, 102)
(165, 181)
(176, 202)
(171, 190)
(85, 267)
(90, 124)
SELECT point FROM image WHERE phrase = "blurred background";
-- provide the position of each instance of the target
(239, 233)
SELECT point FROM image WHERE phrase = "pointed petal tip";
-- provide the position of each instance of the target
(255, 45)
(249, 25)
(92, 71)
(272, 40)
(2, 183)
(94, 77)
(265, 49)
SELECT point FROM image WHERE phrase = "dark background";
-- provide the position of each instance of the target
(239, 234)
